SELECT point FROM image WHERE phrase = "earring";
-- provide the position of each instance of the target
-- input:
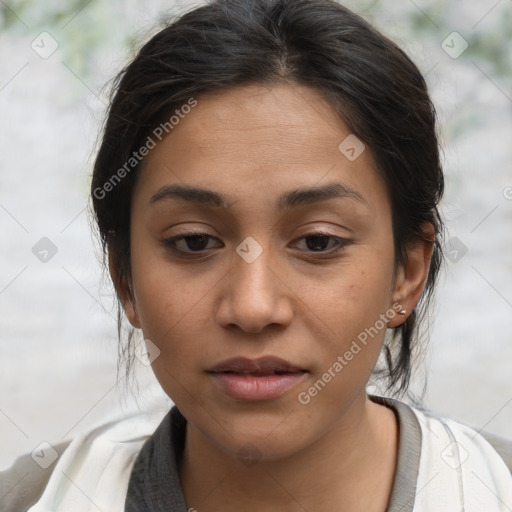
(403, 312)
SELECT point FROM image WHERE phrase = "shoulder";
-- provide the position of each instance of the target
(502, 446)
(416, 415)
(461, 465)
(23, 483)
(467, 436)
(455, 466)
(112, 445)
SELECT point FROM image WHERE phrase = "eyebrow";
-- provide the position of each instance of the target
(291, 199)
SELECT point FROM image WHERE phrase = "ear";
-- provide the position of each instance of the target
(125, 293)
(411, 278)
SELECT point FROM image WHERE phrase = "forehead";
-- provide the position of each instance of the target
(252, 141)
(289, 119)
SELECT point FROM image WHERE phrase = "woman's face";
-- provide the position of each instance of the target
(258, 282)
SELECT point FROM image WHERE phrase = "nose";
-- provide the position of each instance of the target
(254, 296)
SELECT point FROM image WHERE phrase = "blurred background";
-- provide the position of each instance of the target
(58, 338)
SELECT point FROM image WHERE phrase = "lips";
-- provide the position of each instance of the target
(268, 365)
(265, 378)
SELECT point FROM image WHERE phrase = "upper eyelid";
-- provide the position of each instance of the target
(187, 234)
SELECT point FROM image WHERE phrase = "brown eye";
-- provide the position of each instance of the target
(196, 242)
(188, 243)
(319, 242)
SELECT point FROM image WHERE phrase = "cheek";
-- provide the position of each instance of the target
(357, 294)
(172, 309)
(350, 319)
(167, 302)
(173, 314)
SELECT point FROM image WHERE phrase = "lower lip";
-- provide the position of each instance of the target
(253, 387)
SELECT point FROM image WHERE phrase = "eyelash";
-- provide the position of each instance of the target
(341, 243)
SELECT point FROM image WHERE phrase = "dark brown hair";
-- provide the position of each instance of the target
(373, 85)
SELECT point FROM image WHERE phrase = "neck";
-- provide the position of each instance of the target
(351, 468)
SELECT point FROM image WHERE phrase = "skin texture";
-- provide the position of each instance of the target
(253, 143)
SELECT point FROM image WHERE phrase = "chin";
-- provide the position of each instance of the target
(251, 448)
(263, 436)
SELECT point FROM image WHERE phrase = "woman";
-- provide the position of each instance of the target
(267, 192)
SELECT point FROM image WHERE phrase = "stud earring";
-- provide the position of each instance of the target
(403, 312)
